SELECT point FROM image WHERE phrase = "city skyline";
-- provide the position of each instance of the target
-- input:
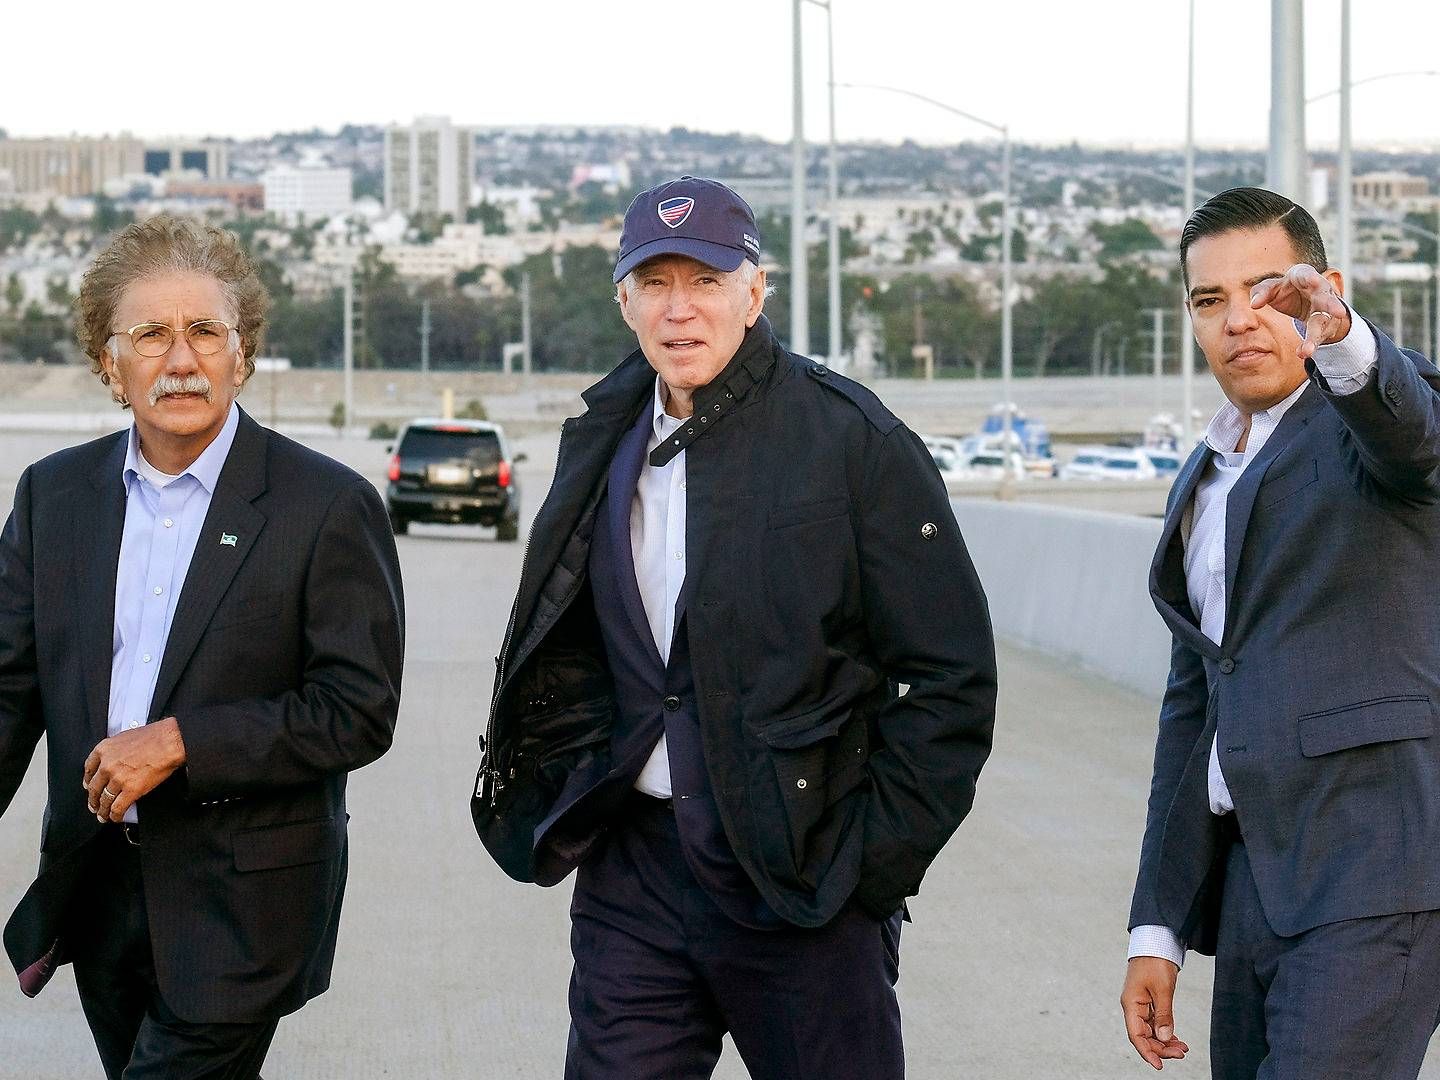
(294, 69)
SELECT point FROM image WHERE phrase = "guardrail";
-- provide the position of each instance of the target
(1071, 583)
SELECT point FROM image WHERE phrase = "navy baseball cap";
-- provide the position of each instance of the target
(691, 216)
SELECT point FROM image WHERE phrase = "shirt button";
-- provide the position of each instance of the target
(146, 658)
(169, 523)
(158, 590)
(671, 703)
(679, 554)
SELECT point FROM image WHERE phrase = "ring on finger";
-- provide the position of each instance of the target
(107, 791)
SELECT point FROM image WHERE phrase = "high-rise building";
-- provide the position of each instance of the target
(309, 191)
(68, 167)
(429, 167)
(210, 159)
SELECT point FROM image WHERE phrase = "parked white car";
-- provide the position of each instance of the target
(1087, 464)
(1128, 464)
(990, 465)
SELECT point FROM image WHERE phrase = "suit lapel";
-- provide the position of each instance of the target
(99, 527)
(1167, 569)
(231, 527)
(625, 470)
(1242, 496)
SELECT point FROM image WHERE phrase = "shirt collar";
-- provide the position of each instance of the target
(663, 421)
(205, 468)
(1228, 424)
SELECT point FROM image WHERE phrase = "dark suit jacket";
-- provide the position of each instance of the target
(283, 671)
(1325, 683)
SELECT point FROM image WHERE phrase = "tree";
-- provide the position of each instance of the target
(1125, 238)
(14, 295)
(490, 216)
(57, 293)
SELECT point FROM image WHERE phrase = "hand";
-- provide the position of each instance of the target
(128, 766)
(1308, 297)
(1148, 1003)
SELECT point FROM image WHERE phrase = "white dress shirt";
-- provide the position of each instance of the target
(163, 517)
(1346, 365)
(657, 544)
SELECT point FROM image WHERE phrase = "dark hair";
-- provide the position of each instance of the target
(1254, 208)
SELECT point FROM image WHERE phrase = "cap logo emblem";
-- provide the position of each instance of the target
(673, 212)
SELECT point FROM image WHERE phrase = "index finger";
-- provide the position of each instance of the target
(91, 764)
(1264, 293)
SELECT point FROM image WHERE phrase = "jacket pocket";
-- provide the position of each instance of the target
(240, 610)
(1407, 716)
(1288, 483)
(295, 843)
(803, 729)
(808, 513)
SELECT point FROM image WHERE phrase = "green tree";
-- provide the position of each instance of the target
(14, 295)
(490, 216)
(1125, 238)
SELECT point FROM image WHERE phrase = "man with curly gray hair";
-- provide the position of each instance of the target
(247, 590)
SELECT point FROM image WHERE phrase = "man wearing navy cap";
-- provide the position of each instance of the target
(742, 557)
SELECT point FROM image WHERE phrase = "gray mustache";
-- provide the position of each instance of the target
(194, 383)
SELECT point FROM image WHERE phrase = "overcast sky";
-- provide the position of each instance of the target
(1103, 71)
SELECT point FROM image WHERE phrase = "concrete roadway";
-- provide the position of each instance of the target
(446, 969)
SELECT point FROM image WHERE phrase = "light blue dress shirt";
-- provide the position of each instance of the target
(163, 517)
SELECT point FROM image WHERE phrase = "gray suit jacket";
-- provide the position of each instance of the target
(1324, 686)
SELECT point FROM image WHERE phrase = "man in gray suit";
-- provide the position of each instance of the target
(1294, 820)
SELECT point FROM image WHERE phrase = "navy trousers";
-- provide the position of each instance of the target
(138, 1037)
(661, 974)
(1349, 1000)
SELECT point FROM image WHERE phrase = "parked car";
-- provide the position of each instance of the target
(1087, 464)
(1128, 463)
(990, 465)
(947, 455)
(454, 471)
(1167, 462)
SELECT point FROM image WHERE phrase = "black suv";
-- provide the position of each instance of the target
(454, 471)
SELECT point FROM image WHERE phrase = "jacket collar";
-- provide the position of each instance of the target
(724, 393)
(623, 389)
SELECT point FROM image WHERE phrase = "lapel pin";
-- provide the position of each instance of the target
(227, 539)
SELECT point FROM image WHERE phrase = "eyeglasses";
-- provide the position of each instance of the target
(206, 337)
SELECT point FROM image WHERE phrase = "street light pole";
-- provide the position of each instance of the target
(1007, 292)
(1007, 336)
(834, 348)
(1285, 168)
(799, 275)
(349, 347)
(1187, 337)
(1345, 197)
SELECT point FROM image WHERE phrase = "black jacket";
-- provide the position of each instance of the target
(283, 670)
(826, 569)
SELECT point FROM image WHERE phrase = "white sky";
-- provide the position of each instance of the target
(1102, 71)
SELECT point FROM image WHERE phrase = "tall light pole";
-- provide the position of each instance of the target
(349, 349)
(1007, 292)
(799, 271)
(1285, 166)
(1345, 168)
(1187, 337)
(833, 192)
(1345, 197)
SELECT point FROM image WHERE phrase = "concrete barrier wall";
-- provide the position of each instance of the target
(1072, 583)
